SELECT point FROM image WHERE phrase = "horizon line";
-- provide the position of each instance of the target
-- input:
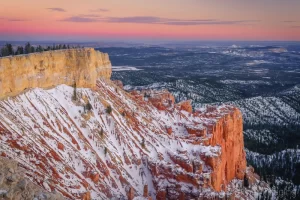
(147, 40)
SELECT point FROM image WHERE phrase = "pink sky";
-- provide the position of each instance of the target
(152, 19)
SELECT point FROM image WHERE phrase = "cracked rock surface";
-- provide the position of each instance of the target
(14, 186)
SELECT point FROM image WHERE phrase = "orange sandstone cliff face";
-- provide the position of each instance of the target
(147, 146)
(52, 68)
(228, 133)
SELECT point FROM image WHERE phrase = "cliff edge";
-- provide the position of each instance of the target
(52, 68)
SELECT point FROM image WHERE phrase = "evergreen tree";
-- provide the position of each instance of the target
(75, 93)
(4, 51)
(105, 151)
(123, 114)
(9, 49)
(28, 48)
(143, 143)
(101, 133)
(246, 181)
(88, 106)
(108, 109)
(20, 50)
(32, 49)
(39, 48)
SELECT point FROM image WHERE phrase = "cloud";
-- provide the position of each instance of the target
(99, 10)
(80, 19)
(89, 16)
(57, 9)
(17, 20)
(14, 19)
(170, 21)
(292, 23)
(289, 21)
(157, 20)
(83, 18)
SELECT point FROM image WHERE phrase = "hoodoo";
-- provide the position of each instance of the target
(107, 143)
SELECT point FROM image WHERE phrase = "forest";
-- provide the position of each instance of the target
(9, 50)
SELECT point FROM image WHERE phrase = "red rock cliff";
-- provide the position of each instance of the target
(228, 133)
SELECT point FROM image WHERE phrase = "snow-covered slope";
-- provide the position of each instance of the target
(267, 110)
(87, 152)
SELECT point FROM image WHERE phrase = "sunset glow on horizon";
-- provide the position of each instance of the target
(155, 19)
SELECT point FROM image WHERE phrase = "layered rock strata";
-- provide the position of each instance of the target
(52, 68)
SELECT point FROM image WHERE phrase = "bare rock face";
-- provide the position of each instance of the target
(186, 105)
(130, 193)
(52, 68)
(228, 133)
(145, 191)
(118, 83)
(14, 185)
(160, 99)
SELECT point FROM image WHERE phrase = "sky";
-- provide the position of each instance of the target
(92, 20)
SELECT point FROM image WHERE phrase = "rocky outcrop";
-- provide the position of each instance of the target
(160, 99)
(228, 134)
(118, 83)
(14, 185)
(186, 105)
(196, 129)
(51, 68)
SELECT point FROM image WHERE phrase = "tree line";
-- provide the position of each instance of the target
(288, 137)
(9, 50)
(284, 164)
(281, 190)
